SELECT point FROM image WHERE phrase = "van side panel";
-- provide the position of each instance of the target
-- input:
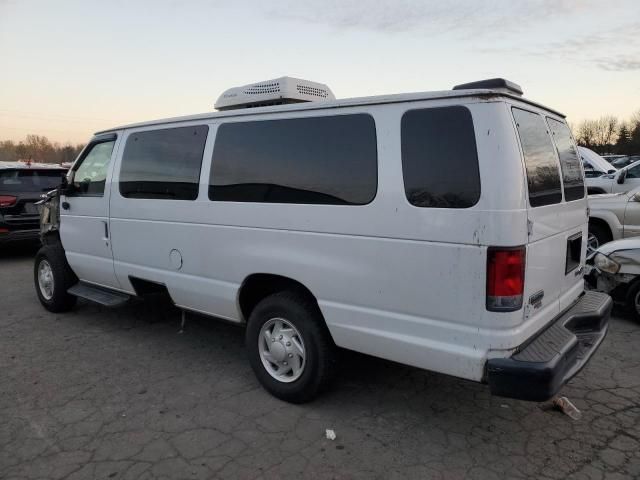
(392, 280)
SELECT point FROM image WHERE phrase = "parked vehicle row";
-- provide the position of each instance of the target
(359, 223)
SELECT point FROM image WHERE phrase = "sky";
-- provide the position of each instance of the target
(69, 68)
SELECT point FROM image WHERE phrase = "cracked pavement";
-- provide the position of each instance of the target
(119, 394)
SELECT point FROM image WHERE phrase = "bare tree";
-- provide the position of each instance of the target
(599, 135)
(38, 148)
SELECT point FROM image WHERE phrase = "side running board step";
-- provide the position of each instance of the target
(103, 296)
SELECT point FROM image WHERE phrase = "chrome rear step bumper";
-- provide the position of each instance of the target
(540, 367)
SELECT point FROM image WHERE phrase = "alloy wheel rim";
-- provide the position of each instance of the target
(282, 350)
(45, 279)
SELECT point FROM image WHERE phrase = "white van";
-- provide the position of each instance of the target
(444, 230)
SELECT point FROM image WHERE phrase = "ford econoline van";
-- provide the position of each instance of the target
(444, 230)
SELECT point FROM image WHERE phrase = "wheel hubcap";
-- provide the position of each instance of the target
(281, 350)
(45, 279)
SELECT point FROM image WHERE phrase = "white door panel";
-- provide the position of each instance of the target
(84, 216)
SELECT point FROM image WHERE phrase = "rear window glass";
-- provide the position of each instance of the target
(30, 180)
(569, 160)
(439, 158)
(163, 164)
(543, 177)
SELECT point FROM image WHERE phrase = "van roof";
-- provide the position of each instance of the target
(338, 103)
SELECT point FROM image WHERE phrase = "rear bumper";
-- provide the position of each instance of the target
(540, 367)
(18, 235)
(16, 228)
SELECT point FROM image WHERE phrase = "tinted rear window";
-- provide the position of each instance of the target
(163, 164)
(29, 180)
(569, 160)
(439, 158)
(317, 160)
(543, 177)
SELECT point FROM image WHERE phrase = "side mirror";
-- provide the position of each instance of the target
(66, 187)
(622, 176)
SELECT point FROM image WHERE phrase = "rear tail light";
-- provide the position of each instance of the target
(7, 200)
(505, 278)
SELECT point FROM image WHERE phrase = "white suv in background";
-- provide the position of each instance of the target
(444, 230)
(623, 180)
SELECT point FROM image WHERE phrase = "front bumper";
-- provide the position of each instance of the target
(540, 367)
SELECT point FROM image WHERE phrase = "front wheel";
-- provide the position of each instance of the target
(52, 278)
(290, 349)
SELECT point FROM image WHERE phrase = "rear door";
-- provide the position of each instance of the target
(84, 214)
(557, 213)
(574, 209)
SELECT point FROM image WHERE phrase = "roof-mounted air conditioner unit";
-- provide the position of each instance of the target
(279, 91)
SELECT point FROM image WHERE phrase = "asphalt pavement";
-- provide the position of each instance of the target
(121, 394)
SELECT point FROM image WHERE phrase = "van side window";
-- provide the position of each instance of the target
(329, 160)
(163, 164)
(440, 158)
(90, 177)
(569, 160)
(543, 177)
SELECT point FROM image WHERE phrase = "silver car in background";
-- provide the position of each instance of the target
(613, 216)
(614, 268)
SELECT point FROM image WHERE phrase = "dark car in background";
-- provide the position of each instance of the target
(21, 184)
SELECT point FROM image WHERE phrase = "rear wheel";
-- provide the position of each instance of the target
(52, 278)
(290, 349)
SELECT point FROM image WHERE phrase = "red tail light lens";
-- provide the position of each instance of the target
(7, 200)
(505, 278)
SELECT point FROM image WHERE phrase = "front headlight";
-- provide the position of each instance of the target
(605, 264)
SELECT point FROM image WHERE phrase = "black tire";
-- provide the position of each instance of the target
(63, 278)
(319, 348)
(602, 234)
(632, 293)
